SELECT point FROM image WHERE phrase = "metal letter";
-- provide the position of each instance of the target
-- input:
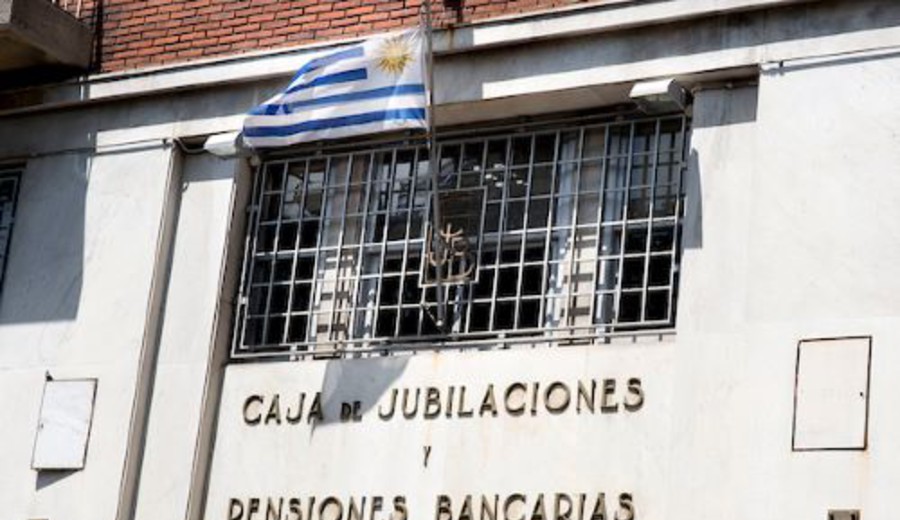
(311, 505)
(377, 502)
(581, 499)
(346, 411)
(409, 414)
(400, 512)
(432, 403)
(599, 507)
(515, 410)
(465, 512)
(295, 507)
(587, 396)
(559, 512)
(489, 510)
(515, 497)
(274, 410)
(387, 415)
(449, 412)
(235, 509)
(442, 510)
(488, 403)
(295, 418)
(271, 512)
(609, 390)
(462, 404)
(356, 512)
(634, 399)
(253, 421)
(539, 512)
(626, 507)
(328, 502)
(548, 397)
(535, 387)
(315, 411)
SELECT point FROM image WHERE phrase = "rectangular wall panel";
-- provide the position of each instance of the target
(832, 394)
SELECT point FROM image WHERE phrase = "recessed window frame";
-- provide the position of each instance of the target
(620, 149)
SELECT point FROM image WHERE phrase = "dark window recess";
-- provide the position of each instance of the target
(9, 190)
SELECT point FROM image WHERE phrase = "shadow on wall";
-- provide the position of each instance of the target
(712, 109)
(692, 234)
(363, 380)
(44, 272)
(45, 268)
(47, 478)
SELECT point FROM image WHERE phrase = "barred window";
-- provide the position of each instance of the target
(9, 188)
(560, 232)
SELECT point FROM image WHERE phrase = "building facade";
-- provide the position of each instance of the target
(662, 304)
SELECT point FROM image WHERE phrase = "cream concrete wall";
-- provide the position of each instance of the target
(75, 304)
(182, 363)
(791, 234)
(185, 356)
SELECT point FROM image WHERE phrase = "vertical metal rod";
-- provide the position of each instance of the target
(389, 195)
(318, 285)
(551, 211)
(249, 264)
(501, 228)
(410, 208)
(523, 243)
(274, 253)
(574, 264)
(601, 202)
(360, 282)
(470, 289)
(648, 247)
(437, 222)
(622, 240)
(301, 204)
(336, 303)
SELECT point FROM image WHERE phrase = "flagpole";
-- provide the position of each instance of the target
(436, 226)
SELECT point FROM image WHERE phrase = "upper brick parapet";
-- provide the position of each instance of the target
(138, 33)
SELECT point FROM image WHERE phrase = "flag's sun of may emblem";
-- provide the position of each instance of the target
(394, 55)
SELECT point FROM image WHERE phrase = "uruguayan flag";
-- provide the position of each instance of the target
(373, 86)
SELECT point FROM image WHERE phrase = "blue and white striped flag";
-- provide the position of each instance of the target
(373, 86)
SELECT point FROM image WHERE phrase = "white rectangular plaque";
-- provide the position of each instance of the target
(832, 392)
(64, 425)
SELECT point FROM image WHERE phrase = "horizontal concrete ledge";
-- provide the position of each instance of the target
(36, 33)
(505, 31)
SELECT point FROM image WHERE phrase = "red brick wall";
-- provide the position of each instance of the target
(140, 33)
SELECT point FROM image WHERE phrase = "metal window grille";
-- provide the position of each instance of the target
(9, 188)
(573, 232)
(71, 6)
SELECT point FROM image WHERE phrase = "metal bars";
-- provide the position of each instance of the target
(578, 236)
(72, 7)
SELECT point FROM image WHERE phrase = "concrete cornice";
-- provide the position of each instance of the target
(611, 16)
